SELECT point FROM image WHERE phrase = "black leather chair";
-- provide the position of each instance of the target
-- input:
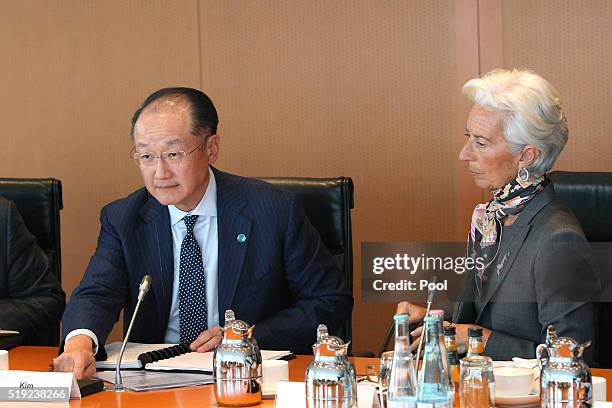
(589, 196)
(327, 203)
(39, 202)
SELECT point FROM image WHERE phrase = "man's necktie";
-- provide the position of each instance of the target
(193, 313)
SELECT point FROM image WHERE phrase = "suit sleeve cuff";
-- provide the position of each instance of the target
(85, 332)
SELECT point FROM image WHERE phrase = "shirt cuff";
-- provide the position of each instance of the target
(86, 332)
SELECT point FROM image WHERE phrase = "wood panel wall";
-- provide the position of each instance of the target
(359, 88)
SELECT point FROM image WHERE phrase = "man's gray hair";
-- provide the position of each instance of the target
(531, 111)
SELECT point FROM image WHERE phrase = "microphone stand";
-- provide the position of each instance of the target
(430, 296)
(387, 339)
(142, 291)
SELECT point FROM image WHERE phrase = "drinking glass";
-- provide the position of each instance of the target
(381, 374)
(386, 359)
(476, 382)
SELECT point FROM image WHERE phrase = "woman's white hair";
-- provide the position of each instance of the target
(531, 112)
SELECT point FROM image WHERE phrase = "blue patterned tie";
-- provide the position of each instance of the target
(193, 313)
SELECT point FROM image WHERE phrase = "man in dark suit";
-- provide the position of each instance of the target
(31, 298)
(210, 240)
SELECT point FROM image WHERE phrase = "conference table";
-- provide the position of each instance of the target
(38, 359)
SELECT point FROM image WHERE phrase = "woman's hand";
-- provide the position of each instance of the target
(461, 334)
(415, 313)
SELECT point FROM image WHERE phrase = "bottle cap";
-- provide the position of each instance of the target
(437, 313)
(475, 332)
(449, 330)
(402, 316)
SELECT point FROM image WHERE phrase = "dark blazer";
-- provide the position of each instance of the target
(31, 298)
(282, 278)
(546, 277)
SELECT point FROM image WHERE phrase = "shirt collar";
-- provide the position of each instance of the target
(207, 205)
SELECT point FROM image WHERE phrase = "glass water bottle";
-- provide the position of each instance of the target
(433, 387)
(402, 382)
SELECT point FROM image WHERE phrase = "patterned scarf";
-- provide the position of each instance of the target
(485, 231)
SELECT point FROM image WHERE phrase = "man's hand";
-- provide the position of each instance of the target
(77, 357)
(207, 340)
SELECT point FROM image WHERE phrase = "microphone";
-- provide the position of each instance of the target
(430, 296)
(143, 289)
(431, 292)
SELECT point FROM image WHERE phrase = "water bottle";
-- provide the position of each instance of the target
(475, 344)
(443, 350)
(433, 378)
(451, 350)
(402, 382)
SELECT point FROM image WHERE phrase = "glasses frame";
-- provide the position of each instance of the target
(163, 155)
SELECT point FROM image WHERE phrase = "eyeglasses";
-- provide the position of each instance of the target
(150, 159)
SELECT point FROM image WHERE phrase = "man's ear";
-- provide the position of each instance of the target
(212, 148)
(528, 155)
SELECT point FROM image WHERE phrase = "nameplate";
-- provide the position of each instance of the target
(292, 394)
(38, 386)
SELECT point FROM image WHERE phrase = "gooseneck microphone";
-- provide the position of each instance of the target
(144, 287)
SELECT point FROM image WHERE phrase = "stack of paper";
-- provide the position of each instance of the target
(130, 356)
(147, 380)
(202, 361)
(186, 362)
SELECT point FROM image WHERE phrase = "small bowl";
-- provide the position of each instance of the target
(510, 381)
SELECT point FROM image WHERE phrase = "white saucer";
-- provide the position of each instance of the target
(518, 401)
(268, 393)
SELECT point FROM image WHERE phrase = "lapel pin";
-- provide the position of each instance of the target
(241, 238)
(500, 266)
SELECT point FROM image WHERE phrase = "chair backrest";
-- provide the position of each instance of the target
(39, 202)
(327, 203)
(589, 196)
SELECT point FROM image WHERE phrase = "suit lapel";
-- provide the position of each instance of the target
(460, 309)
(521, 228)
(234, 234)
(155, 240)
(504, 263)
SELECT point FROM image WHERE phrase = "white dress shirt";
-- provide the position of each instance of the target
(205, 231)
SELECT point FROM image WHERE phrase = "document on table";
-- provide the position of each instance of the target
(130, 355)
(203, 361)
(185, 362)
(140, 380)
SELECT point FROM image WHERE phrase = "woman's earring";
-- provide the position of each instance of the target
(523, 174)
